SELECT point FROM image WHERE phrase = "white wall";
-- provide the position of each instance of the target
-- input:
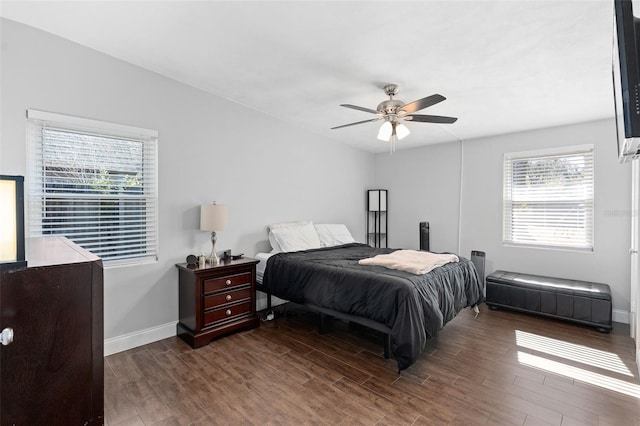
(209, 149)
(424, 184)
(634, 317)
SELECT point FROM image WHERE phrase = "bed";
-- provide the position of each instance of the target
(409, 308)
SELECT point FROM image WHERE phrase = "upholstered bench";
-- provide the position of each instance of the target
(581, 302)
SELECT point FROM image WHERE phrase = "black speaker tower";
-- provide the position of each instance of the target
(477, 258)
(424, 236)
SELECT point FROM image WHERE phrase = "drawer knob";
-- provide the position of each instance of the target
(228, 297)
(6, 336)
(228, 282)
(228, 312)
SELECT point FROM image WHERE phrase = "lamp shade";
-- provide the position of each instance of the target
(402, 131)
(12, 222)
(213, 217)
(384, 134)
(377, 200)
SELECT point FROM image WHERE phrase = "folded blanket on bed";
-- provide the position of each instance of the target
(416, 262)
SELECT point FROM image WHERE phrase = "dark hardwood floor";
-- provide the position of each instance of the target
(499, 368)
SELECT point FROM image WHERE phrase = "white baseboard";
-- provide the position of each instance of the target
(153, 334)
(138, 338)
(620, 316)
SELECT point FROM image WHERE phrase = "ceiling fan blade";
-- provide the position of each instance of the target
(422, 103)
(430, 118)
(357, 122)
(359, 108)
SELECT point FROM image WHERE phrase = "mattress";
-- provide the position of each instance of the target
(260, 267)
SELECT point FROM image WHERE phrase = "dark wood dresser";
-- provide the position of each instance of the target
(53, 371)
(216, 300)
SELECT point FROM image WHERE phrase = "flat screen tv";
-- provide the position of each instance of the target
(626, 80)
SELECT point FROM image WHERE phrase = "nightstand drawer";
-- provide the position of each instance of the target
(216, 300)
(215, 284)
(226, 297)
(226, 313)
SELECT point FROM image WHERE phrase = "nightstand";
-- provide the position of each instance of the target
(216, 300)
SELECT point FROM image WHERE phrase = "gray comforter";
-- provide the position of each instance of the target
(414, 307)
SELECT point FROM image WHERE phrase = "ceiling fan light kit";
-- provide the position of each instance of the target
(384, 134)
(402, 131)
(394, 112)
(392, 131)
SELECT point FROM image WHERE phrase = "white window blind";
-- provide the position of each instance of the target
(94, 183)
(548, 198)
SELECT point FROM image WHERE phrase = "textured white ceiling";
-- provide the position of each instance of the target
(504, 66)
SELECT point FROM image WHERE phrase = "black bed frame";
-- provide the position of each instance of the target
(325, 312)
(477, 258)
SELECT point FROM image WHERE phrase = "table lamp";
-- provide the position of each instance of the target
(213, 217)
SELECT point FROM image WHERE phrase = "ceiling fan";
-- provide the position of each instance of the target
(394, 112)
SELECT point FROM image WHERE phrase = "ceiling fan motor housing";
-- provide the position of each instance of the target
(392, 106)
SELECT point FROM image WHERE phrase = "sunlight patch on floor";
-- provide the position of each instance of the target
(580, 374)
(570, 351)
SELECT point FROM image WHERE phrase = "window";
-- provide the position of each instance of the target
(94, 183)
(548, 198)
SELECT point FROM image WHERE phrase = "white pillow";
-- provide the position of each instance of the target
(295, 238)
(275, 247)
(333, 234)
(272, 239)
